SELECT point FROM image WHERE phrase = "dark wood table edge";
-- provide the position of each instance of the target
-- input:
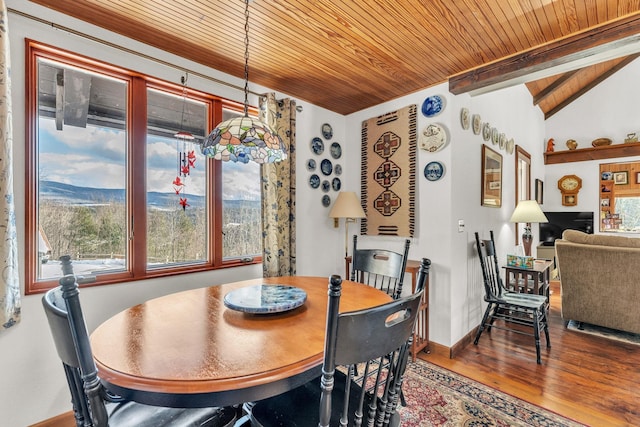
(217, 398)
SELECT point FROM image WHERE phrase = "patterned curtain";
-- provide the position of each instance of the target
(279, 192)
(9, 280)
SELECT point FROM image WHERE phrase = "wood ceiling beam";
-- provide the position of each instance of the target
(547, 91)
(591, 85)
(570, 53)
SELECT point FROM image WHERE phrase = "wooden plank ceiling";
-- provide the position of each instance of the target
(347, 55)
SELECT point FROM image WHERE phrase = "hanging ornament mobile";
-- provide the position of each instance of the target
(186, 153)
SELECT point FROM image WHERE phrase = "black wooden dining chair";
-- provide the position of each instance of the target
(381, 268)
(363, 337)
(92, 405)
(514, 308)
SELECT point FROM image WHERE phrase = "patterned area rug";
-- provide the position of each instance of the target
(438, 397)
(387, 180)
(612, 334)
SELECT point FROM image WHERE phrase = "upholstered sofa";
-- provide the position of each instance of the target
(600, 279)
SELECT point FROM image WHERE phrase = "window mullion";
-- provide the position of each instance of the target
(136, 182)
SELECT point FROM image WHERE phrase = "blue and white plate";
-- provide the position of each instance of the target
(311, 165)
(336, 150)
(336, 184)
(327, 131)
(326, 186)
(337, 170)
(317, 146)
(314, 181)
(326, 201)
(326, 167)
(434, 171)
(433, 105)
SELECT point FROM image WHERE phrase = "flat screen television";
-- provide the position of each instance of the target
(560, 221)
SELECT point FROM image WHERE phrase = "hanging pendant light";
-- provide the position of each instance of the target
(242, 139)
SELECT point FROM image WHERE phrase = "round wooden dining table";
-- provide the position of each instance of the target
(188, 349)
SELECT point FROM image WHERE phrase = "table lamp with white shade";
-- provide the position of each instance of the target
(346, 206)
(527, 212)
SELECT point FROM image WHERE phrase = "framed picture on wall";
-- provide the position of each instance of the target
(491, 179)
(621, 178)
(539, 191)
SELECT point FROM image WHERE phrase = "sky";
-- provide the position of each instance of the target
(95, 157)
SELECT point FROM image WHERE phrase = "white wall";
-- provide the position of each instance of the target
(609, 110)
(455, 281)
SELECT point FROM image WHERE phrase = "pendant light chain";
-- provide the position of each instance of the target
(244, 139)
(246, 58)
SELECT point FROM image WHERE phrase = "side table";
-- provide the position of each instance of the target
(421, 332)
(529, 280)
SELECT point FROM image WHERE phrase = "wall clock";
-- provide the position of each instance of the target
(569, 185)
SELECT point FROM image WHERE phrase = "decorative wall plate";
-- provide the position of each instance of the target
(502, 141)
(486, 131)
(476, 123)
(317, 146)
(336, 150)
(314, 181)
(465, 118)
(337, 169)
(336, 184)
(311, 165)
(510, 145)
(495, 136)
(433, 105)
(326, 167)
(326, 186)
(434, 171)
(433, 138)
(327, 131)
(326, 201)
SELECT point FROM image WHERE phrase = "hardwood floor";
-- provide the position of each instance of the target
(592, 380)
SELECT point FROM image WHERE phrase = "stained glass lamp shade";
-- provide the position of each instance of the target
(242, 139)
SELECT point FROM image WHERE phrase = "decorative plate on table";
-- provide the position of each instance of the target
(327, 131)
(336, 184)
(336, 150)
(510, 145)
(311, 165)
(434, 171)
(317, 146)
(314, 181)
(433, 105)
(265, 299)
(326, 201)
(476, 123)
(433, 138)
(337, 169)
(326, 167)
(465, 119)
(486, 131)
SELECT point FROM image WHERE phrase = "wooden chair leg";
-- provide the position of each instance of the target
(481, 327)
(536, 334)
(546, 329)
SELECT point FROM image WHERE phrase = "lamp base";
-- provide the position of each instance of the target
(526, 243)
